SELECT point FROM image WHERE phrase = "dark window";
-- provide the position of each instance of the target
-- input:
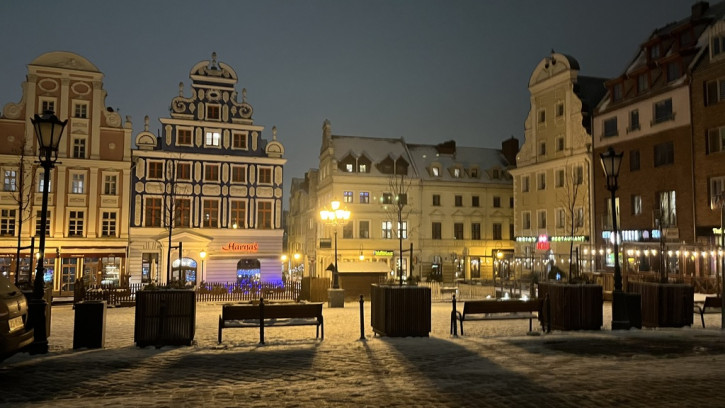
(634, 120)
(476, 231)
(497, 231)
(664, 154)
(347, 231)
(634, 160)
(264, 215)
(497, 202)
(458, 230)
(459, 201)
(182, 213)
(211, 213)
(183, 136)
(436, 200)
(673, 71)
(663, 111)
(183, 171)
(436, 231)
(156, 170)
(153, 212)
(474, 201)
(610, 127)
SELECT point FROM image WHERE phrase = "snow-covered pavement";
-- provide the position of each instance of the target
(495, 364)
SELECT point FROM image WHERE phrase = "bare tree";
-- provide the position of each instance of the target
(22, 194)
(176, 214)
(571, 199)
(396, 206)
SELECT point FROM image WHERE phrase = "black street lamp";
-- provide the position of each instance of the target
(611, 163)
(48, 130)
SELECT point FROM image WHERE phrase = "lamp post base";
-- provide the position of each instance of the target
(335, 297)
(620, 317)
(36, 320)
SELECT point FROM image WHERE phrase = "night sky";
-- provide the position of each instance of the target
(427, 71)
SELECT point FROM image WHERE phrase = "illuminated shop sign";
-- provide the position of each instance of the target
(634, 235)
(566, 238)
(543, 243)
(241, 247)
(555, 238)
(382, 252)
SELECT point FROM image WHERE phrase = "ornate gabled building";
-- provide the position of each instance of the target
(457, 209)
(552, 188)
(209, 185)
(87, 231)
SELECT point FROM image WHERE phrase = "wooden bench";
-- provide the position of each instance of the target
(271, 314)
(712, 304)
(496, 310)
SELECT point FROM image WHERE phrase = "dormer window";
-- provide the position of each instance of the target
(495, 174)
(362, 168)
(435, 171)
(654, 52)
(617, 92)
(457, 173)
(349, 167)
(474, 173)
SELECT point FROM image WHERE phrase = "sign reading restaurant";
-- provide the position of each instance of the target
(241, 247)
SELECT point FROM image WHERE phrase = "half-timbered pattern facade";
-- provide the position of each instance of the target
(208, 185)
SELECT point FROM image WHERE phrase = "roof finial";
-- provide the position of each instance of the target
(274, 132)
(146, 123)
(244, 95)
(181, 89)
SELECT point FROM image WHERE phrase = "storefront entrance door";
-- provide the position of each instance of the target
(68, 276)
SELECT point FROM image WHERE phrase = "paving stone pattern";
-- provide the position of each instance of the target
(495, 364)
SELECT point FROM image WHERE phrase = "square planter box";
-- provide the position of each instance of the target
(165, 318)
(400, 311)
(665, 304)
(572, 307)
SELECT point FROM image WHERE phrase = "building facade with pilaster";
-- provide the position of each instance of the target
(552, 190)
(87, 229)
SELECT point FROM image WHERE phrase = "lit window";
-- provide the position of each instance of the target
(211, 214)
(364, 197)
(11, 177)
(212, 138)
(347, 196)
(78, 183)
(7, 222)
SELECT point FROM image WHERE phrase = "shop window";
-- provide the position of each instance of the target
(184, 271)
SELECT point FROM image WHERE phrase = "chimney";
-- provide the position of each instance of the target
(510, 148)
(699, 9)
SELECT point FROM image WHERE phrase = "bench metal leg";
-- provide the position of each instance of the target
(702, 317)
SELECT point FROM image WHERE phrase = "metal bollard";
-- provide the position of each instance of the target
(454, 328)
(362, 319)
(261, 320)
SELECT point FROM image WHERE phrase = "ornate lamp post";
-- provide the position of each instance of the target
(48, 130)
(335, 217)
(611, 163)
(202, 255)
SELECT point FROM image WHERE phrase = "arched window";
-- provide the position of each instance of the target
(184, 270)
(248, 271)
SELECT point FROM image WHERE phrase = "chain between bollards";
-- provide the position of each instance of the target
(362, 319)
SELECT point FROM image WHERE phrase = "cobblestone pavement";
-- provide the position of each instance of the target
(495, 364)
